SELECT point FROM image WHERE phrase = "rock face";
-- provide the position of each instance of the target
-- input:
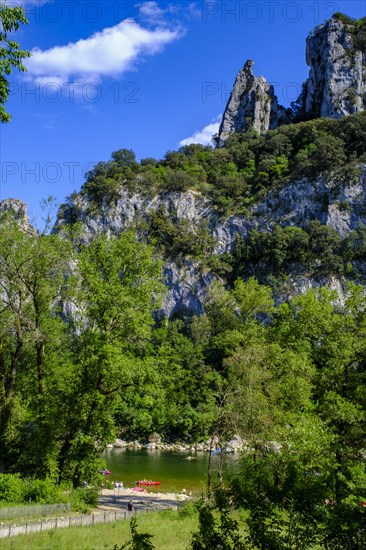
(186, 282)
(15, 207)
(252, 104)
(293, 204)
(337, 81)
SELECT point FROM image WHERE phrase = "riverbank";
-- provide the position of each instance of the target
(155, 442)
(119, 498)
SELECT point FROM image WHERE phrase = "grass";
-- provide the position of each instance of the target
(171, 531)
(19, 519)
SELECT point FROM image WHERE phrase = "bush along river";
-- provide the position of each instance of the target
(176, 470)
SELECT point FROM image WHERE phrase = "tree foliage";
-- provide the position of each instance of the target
(11, 56)
(222, 532)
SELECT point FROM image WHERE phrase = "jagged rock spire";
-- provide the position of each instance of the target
(252, 104)
(336, 55)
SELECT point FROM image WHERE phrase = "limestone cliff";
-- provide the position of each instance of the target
(252, 104)
(186, 282)
(336, 56)
(15, 207)
(294, 204)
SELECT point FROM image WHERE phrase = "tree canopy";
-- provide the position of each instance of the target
(11, 56)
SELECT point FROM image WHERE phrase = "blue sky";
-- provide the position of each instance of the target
(148, 75)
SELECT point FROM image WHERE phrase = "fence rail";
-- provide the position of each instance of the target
(33, 510)
(73, 521)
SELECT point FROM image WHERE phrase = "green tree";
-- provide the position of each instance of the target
(124, 158)
(222, 532)
(118, 288)
(333, 337)
(11, 56)
(329, 153)
(32, 283)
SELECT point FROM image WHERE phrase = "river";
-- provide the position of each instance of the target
(175, 470)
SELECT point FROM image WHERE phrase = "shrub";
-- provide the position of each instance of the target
(11, 488)
(179, 181)
(214, 533)
(188, 510)
(346, 19)
(43, 491)
(84, 498)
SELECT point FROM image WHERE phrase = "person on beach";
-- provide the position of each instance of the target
(130, 506)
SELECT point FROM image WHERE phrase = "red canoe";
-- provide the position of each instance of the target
(144, 482)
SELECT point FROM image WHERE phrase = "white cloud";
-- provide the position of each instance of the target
(203, 136)
(150, 9)
(193, 10)
(110, 52)
(152, 12)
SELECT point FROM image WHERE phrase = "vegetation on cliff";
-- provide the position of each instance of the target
(234, 178)
(244, 170)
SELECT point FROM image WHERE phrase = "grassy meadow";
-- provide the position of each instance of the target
(171, 531)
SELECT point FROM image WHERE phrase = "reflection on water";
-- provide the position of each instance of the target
(175, 470)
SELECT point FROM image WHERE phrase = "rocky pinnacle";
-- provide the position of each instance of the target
(336, 85)
(252, 105)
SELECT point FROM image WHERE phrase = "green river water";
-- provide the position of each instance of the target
(175, 470)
